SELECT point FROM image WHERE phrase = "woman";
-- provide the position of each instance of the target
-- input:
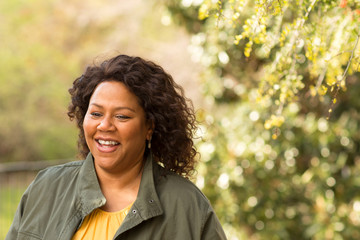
(136, 132)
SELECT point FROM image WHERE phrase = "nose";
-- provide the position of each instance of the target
(106, 125)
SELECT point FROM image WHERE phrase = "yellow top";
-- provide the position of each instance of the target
(101, 225)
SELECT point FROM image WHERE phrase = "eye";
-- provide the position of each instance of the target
(122, 117)
(95, 114)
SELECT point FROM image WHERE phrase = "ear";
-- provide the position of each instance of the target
(151, 127)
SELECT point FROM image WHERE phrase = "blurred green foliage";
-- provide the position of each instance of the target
(37, 68)
(273, 165)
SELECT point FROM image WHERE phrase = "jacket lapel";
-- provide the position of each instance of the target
(147, 204)
(90, 195)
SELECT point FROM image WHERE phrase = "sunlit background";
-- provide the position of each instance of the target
(275, 85)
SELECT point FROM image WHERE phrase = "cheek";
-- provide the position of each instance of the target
(133, 131)
(88, 126)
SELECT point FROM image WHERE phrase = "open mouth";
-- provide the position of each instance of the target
(105, 143)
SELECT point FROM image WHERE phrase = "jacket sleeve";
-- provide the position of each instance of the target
(14, 228)
(212, 228)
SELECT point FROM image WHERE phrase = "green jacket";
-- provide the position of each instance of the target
(167, 207)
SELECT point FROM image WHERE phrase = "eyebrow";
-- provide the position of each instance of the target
(117, 108)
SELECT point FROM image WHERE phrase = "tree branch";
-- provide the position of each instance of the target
(344, 74)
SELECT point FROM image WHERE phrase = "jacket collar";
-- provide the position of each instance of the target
(146, 205)
(90, 195)
(147, 202)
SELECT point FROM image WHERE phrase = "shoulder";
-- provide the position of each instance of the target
(43, 193)
(60, 170)
(57, 174)
(172, 187)
(182, 198)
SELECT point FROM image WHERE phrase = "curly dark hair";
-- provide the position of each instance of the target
(161, 98)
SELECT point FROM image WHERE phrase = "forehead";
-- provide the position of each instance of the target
(114, 94)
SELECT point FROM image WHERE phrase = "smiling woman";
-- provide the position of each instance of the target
(136, 129)
(116, 131)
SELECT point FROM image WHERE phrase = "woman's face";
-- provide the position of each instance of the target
(115, 127)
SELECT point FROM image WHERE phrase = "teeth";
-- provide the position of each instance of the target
(103, 142)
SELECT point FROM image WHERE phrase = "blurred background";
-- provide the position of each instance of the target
(275, 85)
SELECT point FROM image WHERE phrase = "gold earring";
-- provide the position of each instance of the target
(149, 143)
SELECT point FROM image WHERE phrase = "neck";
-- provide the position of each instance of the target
(119, 179)
(120, 189)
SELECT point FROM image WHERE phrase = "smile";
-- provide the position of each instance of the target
(107, 143)
(107, 146)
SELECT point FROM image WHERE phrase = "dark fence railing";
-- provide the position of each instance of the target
(14, 179)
